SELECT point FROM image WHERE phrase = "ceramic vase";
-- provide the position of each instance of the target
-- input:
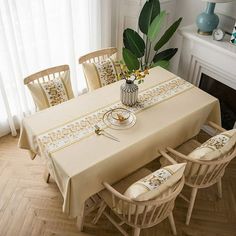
(129, 93)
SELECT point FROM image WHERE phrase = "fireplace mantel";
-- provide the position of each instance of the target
(201, 54)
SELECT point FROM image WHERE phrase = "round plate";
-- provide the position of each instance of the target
(115, 124)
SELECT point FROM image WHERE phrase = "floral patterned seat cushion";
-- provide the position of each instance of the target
(215, 147)
(157, 184)
(52, 92)
(99, 74)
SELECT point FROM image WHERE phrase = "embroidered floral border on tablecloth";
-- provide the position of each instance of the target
(74, 131)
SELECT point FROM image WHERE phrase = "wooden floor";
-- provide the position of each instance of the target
(28, 206)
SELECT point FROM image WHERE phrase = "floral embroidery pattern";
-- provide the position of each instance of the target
(55, 91)
(216, 142)
(72, 132)
(106, 71)
(155, 179)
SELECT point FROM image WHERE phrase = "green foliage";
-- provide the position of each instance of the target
(165, 55)
(134, 42)
(167, 35)
(130, 59)
(155, 26)
(164, 64)
(149, 11)
(136, 51)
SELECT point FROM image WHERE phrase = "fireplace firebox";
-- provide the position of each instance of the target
(226, 96)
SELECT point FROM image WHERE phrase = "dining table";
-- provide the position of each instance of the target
(169, 112)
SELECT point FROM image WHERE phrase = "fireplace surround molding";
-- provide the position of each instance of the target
(201, 54)
(199, 67)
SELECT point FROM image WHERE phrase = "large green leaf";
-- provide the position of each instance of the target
(130, 60)
(165, 55)
(134, 42)
(149, 11)
(156, 8)
(168, 34)
(164, 64)
(155, 26)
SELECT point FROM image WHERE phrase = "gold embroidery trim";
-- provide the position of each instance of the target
(108, 105)
(176, 83)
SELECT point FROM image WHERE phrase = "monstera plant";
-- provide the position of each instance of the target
(144, 52)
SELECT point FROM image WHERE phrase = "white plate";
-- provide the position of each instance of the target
(115, 124)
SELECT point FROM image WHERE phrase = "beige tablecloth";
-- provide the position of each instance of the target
(80, 168)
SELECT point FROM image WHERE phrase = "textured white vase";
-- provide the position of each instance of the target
(129, 93)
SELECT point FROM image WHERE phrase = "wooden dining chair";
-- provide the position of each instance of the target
(201, 174)
(57, 82)
(98, 55)
(137, 214)
(99, 58)
(45, 76)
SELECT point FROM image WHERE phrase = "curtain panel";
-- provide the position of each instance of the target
(38, 34)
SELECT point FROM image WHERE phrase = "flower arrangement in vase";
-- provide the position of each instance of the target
(129, 90)
(140, 54)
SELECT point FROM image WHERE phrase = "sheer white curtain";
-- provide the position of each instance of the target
(37, 34)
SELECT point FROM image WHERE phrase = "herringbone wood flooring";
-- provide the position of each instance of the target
(29, 206)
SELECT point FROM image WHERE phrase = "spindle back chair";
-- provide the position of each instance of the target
(46, 75)
(202, 173)
(98, 55)
(139, 214)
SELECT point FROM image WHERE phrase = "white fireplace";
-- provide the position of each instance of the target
(201, 55)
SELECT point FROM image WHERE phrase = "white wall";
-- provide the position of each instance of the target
(127, 13)
(190, 9)
(228, 9)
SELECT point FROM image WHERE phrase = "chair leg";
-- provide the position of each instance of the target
(100, 211)
(137, 231)
(46, 176)
(219, 187)
(172, 223)
(191, 204)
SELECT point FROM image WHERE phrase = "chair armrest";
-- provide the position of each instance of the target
(113, 191)
(168, 157)
(178, 154)
(216, 127)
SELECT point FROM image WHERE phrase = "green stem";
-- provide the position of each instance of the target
(141, 64)
(145, 56)
(146, 52)
(150, 46)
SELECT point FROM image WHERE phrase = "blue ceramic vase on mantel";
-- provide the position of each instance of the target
(208, 20)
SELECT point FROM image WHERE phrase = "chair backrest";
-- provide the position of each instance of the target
(143, 214)
(98, 55)
(201, 174)
(46, 75)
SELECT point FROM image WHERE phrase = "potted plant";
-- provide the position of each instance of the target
(140, 54)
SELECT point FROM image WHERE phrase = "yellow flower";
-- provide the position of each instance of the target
(134, 74)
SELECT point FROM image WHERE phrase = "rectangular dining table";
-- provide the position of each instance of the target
(170, 111)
